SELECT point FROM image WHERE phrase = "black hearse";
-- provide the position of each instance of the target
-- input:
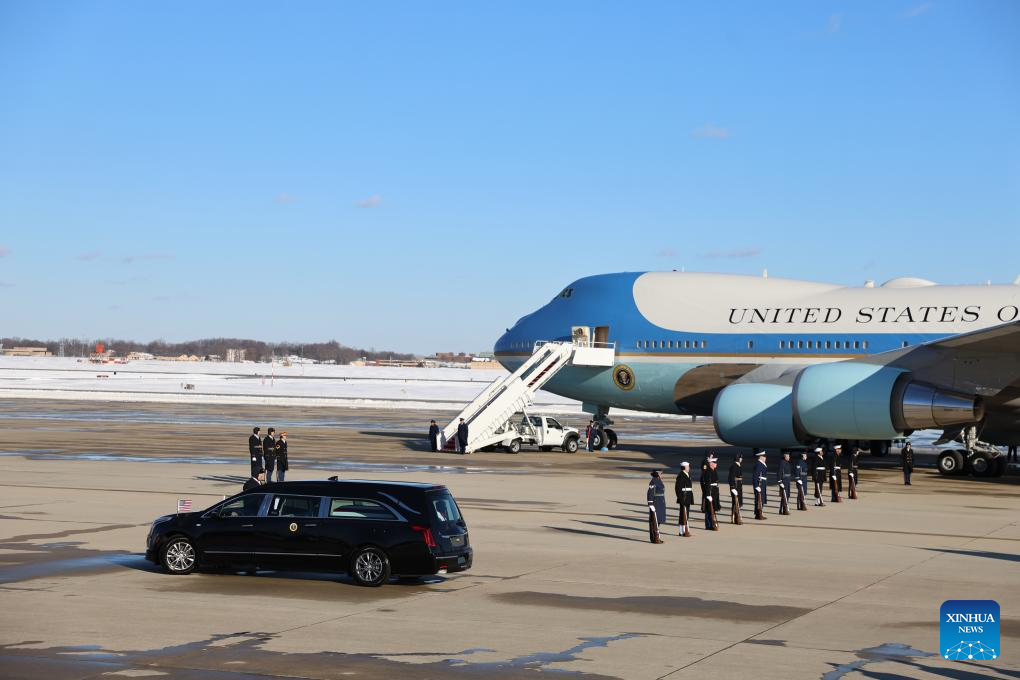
(370, 530)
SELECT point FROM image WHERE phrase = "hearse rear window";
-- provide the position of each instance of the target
(294, 506)
(358, 508)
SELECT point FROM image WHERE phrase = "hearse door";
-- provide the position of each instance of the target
(291, 536)
(229, 532)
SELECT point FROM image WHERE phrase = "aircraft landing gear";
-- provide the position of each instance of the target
(605, 437)
(978, 458)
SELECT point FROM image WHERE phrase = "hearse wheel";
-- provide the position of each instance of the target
(179, 556)
(370, 567)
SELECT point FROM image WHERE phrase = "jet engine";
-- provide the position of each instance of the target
(864, 401)
(755, 414)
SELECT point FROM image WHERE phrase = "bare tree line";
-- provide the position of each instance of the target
(254, 349)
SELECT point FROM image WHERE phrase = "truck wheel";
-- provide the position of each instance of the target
(514, 446)
(570, 446)
(950, 463)
(611, 436)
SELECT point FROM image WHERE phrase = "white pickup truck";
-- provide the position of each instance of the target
(542, 431)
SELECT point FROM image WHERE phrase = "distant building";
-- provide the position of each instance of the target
(27, 352)
(235, 356)
(139, 356)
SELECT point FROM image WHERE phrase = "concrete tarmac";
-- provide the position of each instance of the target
(565, 580)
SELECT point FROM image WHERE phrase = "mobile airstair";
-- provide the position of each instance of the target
(489, 414)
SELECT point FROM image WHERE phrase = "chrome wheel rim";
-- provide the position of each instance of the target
(369, 567)
(180, 556)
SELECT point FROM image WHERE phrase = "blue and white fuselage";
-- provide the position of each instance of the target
(684, 336)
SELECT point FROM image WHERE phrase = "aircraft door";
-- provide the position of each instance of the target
(601, 336)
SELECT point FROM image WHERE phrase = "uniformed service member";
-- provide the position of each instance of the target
(760, 480)
(656, 506)
(837, 469)
(830, 471)
(736, 482)
(907, 460)
(710, 493)
(800, 472)
(685, 497)
(819, 476)
(783, 477)
(853, 456)
(269, 453)
(255, 452)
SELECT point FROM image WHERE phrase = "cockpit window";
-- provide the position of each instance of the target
(567, 292)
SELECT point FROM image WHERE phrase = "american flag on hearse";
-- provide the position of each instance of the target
(183, 505)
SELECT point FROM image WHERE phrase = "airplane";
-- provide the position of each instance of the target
(783, 363)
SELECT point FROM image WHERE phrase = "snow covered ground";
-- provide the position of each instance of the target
(251, 383)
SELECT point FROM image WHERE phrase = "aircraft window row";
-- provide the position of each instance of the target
(819, 344)
(671, 344)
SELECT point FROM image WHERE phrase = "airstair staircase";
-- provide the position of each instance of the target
(490, 411)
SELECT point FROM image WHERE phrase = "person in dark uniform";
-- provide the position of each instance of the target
(783, 477)
(800, 474)
(462, 437)
(282, 462)
(907, 460)
(269, 453)
(685, 497)
(1011, 454)
(736, 482)
(830, 472)
(853, 455)
(819, 476)
(760, 481)
(255, 452)
(433, 436)
(837, 469)
(253, 482)
(656, 506)
(710, 493)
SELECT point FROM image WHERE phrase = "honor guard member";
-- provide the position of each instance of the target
(760, 480)
(800, 477)
(433, 435)
(830, 473)
(462, 436)
(685, 497)
(853, 455)
(656, 506)
(819, 476)
(736, 482)
(907, 460)
(783, 477)
(269, 453)
(255, 452)
(710, 494)
(837, 469)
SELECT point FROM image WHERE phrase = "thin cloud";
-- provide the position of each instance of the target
(89, 256)
(370, 202)
(146, 257)
(283, 198)
(835, 23)
(917, 11)
(4, 284)
(666, 252)
(710, 131)
(4, 251)
(734, 254)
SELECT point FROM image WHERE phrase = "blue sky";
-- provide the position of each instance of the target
(416, 176)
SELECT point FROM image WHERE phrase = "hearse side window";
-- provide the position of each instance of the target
(446, 509)
(246, 506)
(294, 506)
(358, 508)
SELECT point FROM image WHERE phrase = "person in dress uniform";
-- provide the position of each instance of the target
(685, 497)
(853, 458)
(800, 472)
(783, 477)
(830, 470)
(837, 469)
(907, 460)
(656, 497)
(433, 436)
(710, 493)
(255, 452)
(819, 476)
(760, 480)
(736, 482)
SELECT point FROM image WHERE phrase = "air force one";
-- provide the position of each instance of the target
(780, 363)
